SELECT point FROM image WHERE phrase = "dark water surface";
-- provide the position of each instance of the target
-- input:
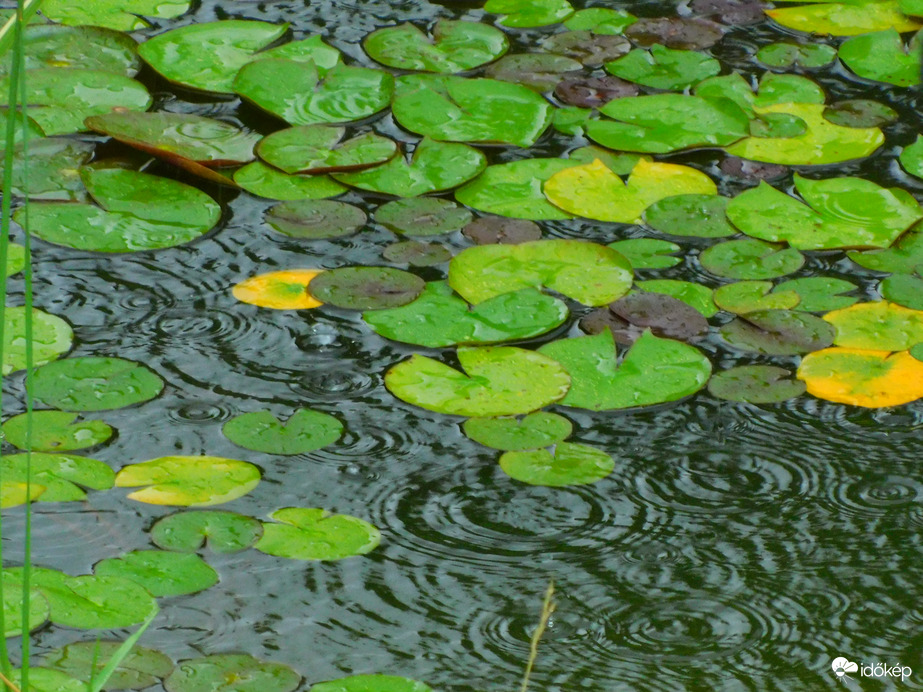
(735, 547)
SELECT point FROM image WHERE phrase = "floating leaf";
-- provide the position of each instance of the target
(664, 68)
(52, 337)
(61, 475)
(591, 49)
(316, 534)
(81, 47)
(819, 293)
(55, 431)
(903, 289)
(846, 18)
(902, 258)
(735, 12)
(755, 384)
(439, 318)
(231, 673)
(162, 573)
(750, 259)
(416, 254)
(664, 315)
(141, 668)
(524, 14)
(489, 230)
(600, 20)
(50, 172)
(843, 212)
(742, 170)
(653, 371)
(95, 384)
(188, 480)
(882, 56)
(860, 113)
(862, 377)
(594, 92)
(589, 273)
(648, 253)
(538, 71)
(14, 493)
(808, 55)
(453, 47)
(539, 429)
(121, 15)
(772, 89)
(366, 288)
(435, 166)
(371, 683)
(569, 464)
(259, 179)
(13, 605)
(45, 680)
(911, 157)
(515, 189)
(749, 296)
(880, 326)
(456, 109)
(223, 532)
(316, 219)
(303, 432)
(423, 216)
(687, 33)
(694, 295)
(778, 332)
(701, 216)
(500, 381)
(281, 290)
(320, 149)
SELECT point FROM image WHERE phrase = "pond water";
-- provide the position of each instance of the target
(734, 546)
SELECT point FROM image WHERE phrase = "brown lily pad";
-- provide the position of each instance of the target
(860, 113)
(664, 315)
(733, 12)
(588, 48)
(748, 171)
(416, 254)
(686, 33)
(422, 216)
(779, 332)
(755, 384)
(366, 288)
(497, 230)
(316, 219)
(538, 71)
(593, 92)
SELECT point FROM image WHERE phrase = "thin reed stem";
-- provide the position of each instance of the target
(548, 607)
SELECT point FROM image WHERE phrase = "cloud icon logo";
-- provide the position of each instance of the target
(842, 665)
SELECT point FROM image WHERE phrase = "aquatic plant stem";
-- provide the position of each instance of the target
(24, 13)
(548, 607)
(97, 682)
(9, 683)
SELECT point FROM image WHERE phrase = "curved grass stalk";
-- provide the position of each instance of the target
(548, 607)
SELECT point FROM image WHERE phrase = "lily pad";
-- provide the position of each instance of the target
(586, 272)
(366, 288)
(121, 15)
(452, 46)
(600, 20)
(648, 253)
(489, 230)
(860, 113)
(231, 673)
(569, 464)
(141, 668)
(590, 49)
(755, 384)
(742, 297)
(863, 377)
(61, 475)
(806, 55)
(903, 289)
(742, 170)
(161, 572)
(55, 431)
(320, 149)
(772, 89)
(189, 481)
(664, 315)
(371, 683)
(594, 92)
(696, 215)
(423, 216)
(51, 170)
(13, 605)
(664, 68)
(316, 534)
(456, 109)
(94, 383)
(819, 293)
(844, 19)
(439, 318)
(47, 680)
(525, 14)
(281, 290)
(435, 166)
(538, 71)
(843, 213)
(694, 295)
(778, 332)
(52, 337)
(515, 189)
(539, 429)
(316, 219)
(416, 254)
(136, 212)
(500, 381)
(734, 12)
(883, 57)
(751, 259)
(593, 191)
(221, 531)
(265, 181)
(303, 432)
(901, 258)
(911, 158)
(80, 47)
(654, 371)
(879, 326)
(687, 33)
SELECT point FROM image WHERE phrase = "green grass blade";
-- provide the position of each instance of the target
(7, 38)
(97, 681)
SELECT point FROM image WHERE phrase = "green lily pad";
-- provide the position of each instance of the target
(189, 481)
(416, 254)
(366, 288)
(525, 14)
(141, 668)
(61, 475)
(162, 573)
(303, 432)
(52, 337)
(61, 98)
(439, 318)
(221, 531)
(700, 216)
(265, 181)
(882, 56)
(600, 20)
(913, 8)
(807, 55)
(231, 673)
(538, 71)
(423, 216)
(319, 149)
(95, 384)
(586, 272)
(121, 15)
(750, 259)
(860, 113)
(46, 680)
(772, 89)
(618, 163)
(12, 605)
(694, 295)
(539, 429)
(316, 534)
(569, 464)
(15, 259)
(819, 293)
(668, 122)
(742, 297)
(500, 381)
(911, 158)
(435, 166)
(648, 253)
(51, 171)
(664, 68)
(777, 125)
(32, 131)
(136, 212)
(755, 384)
(903, 289)
(902, 258)
(778, 332)
(880, 326)
(595, 192)
(316, 219)
(515, 189)
(654, 371)
(300, 94)
(55, 431)
(452, 47)
(843, 213)
(371, 683)
(844, 18)
(81, 47)
(917, 352)
(456, 109)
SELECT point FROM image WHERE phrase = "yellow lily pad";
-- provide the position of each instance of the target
(281, 290)
(189, 481)
(845, 19)
(862, 377)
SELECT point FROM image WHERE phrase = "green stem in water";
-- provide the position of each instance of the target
(547, 609)
(7, 32)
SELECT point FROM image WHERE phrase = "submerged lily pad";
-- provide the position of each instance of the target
(844, 18)
(189, 481)
(52, 337)
(316, 219)
(860, 113)
(55, 431)
(416, 254)
(94, 383)
(162, 573)
(755, 384)
(882, 56)
(696, 215)
(316, 534)
(80, 47)
(778, 332)
(366, 288)
(664, 68)
(221, 531)
(590, 49)
(569, 464)
(524, 14)
(538, 71)
(594, 92)
(281, 290)
(121, 15)
(140, 669)
(515, 189)
(259, 179)
(539, 429)
(879, 325)
(489, 230)
(304, 431)
(51, 170)
(819, 293)
(808, 55)
(320, 149)
(62, 476)
(231, 673)
(423, 216)
(454, 46)
(863, 377)
(687, 33)
(751, 259)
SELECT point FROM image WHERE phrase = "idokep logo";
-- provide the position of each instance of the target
(842, 667)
